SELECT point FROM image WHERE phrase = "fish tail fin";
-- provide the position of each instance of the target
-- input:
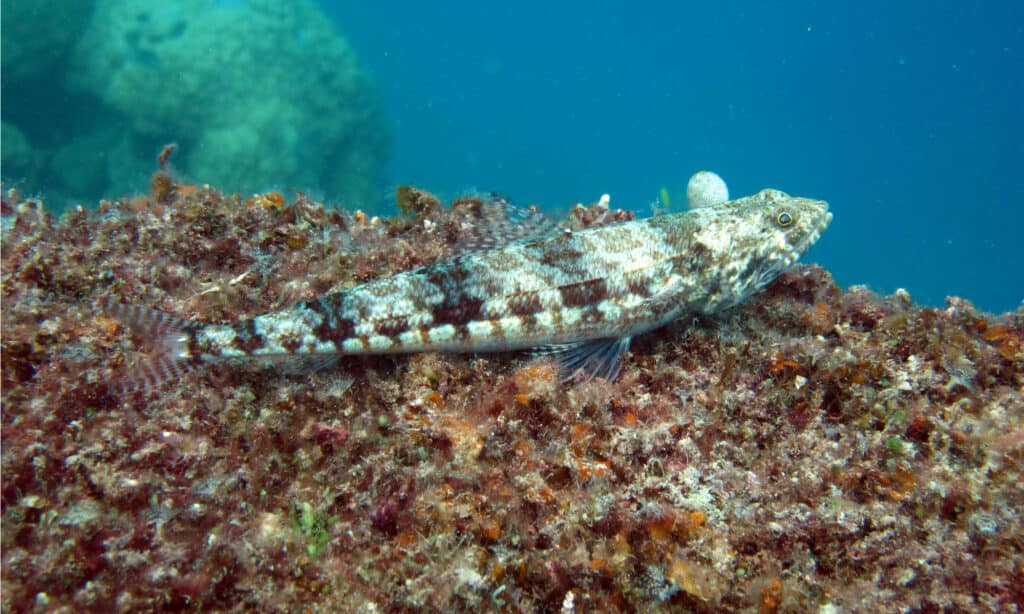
(169, 339)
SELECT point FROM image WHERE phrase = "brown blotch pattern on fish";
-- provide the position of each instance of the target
(559, 255)
(292, 343)
(638, 284)
(458, 312)
(246, 338)
(589, 292)
(335, 330)
(525, 304)
(391, 327)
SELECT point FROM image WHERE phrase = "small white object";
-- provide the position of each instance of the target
(706, 189)
(569, 602)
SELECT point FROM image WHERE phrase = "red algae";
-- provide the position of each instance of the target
(814, 448)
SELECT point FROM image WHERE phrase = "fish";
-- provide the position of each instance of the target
(579, 297)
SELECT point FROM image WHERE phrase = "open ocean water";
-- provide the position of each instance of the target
(904, 116)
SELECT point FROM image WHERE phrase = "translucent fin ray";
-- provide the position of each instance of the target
(584, 361)
(500, 222)
(168, 337)
(304, 364)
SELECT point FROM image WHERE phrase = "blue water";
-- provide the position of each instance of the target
(906, 119)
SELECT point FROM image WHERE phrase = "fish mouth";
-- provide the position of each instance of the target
(823, 219)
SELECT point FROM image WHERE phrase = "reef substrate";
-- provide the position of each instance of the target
(816, 449)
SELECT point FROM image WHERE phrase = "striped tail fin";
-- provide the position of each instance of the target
(168, 356)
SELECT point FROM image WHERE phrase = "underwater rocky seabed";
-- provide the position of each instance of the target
(815, 449)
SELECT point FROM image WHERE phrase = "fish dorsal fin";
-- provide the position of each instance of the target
(493, 221)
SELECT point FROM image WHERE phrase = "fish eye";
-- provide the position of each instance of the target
(784, 219)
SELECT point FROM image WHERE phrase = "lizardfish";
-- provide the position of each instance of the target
(580, 296)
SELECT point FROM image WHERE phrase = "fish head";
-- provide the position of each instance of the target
(750, 241)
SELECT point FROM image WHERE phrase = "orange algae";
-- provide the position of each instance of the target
(671, 526)
(779, 362)
(535, 381)
(771, 597)
(1007, 341)
(899, 484)
(819, 318)
(597, 469)
(692, 578)
(490, 530)
(435, 399)
(271, 200)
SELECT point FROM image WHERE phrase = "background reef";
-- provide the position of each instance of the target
(815, 449)
(251, 90)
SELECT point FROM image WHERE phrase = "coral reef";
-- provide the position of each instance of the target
(252, 90)
(816, 449)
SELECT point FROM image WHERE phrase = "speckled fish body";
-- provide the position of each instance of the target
(585, 293)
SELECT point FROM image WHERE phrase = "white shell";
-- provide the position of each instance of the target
(706, 189)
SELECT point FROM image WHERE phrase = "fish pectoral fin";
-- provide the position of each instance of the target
(583, 361)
